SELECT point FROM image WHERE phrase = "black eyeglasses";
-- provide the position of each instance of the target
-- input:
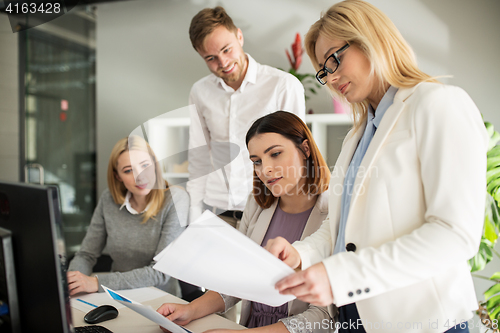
(332, 63)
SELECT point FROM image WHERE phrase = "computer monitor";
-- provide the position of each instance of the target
(9, 304)
(30, 222)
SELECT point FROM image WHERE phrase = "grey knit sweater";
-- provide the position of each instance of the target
(130, 244)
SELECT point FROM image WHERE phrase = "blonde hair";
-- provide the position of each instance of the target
(361, 24)
(156, 197)
(293, 128)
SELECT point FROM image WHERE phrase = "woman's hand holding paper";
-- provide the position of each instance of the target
(283, 250)
(308, 285)
(181, 314)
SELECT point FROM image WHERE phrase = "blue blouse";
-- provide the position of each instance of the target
(373, 121)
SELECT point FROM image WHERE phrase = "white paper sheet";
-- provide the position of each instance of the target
(145, 311)
(212, 254)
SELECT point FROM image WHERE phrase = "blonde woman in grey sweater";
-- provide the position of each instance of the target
(135, 219)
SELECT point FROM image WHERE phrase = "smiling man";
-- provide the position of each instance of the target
(228, 101)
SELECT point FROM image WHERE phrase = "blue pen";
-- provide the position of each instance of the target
(81, 300)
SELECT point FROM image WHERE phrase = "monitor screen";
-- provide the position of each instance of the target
(30, 216)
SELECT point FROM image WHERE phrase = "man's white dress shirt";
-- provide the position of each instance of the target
(220, 170)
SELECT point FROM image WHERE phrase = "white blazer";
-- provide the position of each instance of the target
(254, 224)
(416, 215)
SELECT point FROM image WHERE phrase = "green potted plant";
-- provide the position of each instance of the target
(489, 309)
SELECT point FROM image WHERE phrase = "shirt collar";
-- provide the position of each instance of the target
(384, 104)
(131, 210)
(250, 76)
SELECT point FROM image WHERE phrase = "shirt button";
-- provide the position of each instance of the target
(350, 247)
(358, 291)
(367, 290)
(350, 294)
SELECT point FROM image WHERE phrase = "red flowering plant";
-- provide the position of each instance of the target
(307, 80)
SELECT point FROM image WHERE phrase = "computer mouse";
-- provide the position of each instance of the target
(100, 314)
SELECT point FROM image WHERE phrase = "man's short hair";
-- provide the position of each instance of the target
(205, 22)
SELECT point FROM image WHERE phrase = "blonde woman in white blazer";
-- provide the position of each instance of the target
(289, 199)
(407, 193)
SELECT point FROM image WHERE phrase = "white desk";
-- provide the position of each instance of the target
(129, 321)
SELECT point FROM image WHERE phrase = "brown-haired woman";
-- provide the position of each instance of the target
(290, 180)
(136, 218)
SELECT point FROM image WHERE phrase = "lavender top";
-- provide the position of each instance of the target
(290, 227)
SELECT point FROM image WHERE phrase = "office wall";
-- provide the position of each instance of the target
(9, 103)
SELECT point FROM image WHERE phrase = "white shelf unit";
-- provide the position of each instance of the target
(319, 127)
